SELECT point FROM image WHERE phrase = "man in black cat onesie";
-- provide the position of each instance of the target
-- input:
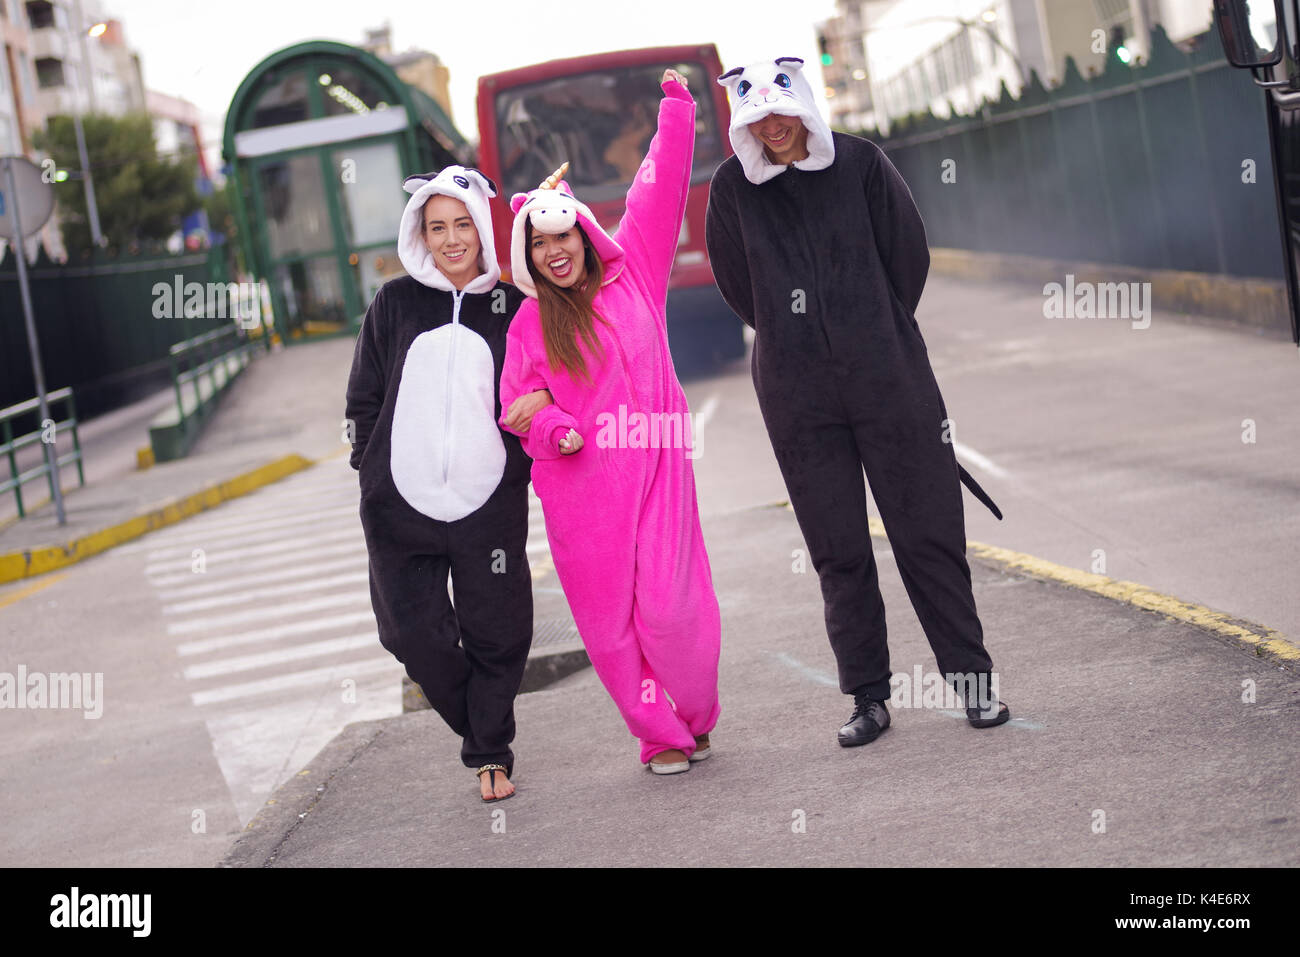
(815, 242)
(443, 488)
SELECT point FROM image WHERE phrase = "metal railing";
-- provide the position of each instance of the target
(11, 445)
(217, 346)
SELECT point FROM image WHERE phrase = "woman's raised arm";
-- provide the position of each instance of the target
(656, 200)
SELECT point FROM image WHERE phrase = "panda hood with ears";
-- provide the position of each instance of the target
(474, 190)
(774, 86)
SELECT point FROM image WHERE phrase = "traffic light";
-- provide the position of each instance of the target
(1122, 52)
(827, 59)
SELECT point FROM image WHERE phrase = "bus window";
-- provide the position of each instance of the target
(602, 123)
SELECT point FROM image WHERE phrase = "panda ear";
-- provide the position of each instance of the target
(413, 182)
(489, 187)
(730, 78)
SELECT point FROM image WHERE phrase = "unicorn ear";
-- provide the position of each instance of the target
(731, 77)
(517, 201)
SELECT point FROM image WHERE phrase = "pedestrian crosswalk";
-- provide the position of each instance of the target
(266, 605)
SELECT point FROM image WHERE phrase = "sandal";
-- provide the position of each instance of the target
(671, 761)
(702, 747)
(492, 770)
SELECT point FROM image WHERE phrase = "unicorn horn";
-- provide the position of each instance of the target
(553, 180)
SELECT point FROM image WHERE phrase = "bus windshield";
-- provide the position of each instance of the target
(601, 123)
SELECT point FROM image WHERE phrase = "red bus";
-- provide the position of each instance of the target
(599, 113)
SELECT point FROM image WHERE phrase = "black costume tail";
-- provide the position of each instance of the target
(978, 492)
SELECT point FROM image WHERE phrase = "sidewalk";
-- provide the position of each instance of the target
(266, 427)
(1129, 745)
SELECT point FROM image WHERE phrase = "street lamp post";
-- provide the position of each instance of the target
(87, 180)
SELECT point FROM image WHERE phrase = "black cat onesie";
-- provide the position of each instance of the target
(826, 260)
(443, 488)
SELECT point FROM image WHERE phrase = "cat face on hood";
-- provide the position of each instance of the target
(775, 88)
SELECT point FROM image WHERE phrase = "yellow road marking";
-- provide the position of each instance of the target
(47, 558)
(20, 594)
(1265, 642)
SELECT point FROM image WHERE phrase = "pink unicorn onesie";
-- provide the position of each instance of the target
(620, 506)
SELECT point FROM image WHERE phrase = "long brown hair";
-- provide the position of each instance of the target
(568, 313)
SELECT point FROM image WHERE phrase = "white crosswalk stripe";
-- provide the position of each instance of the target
(261, 578)
(347, 546)
(269, 601)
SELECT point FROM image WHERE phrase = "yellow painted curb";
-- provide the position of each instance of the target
(15, 566)
(1264, 642)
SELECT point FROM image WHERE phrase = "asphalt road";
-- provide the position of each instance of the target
(1099, 441)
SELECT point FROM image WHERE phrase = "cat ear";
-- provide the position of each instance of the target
(792, 64)
(731, 77)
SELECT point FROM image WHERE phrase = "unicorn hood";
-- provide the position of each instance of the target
(554, 209)
(474, 190)
(774, 86)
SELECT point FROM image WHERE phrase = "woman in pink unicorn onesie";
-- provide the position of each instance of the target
(621, 517)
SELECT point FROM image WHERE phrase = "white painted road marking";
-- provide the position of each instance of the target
(979, 461)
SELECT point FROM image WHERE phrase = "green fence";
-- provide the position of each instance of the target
(14, 440)
(105, 326)
(1143, 166)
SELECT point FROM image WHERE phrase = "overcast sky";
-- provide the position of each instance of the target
(202, 51)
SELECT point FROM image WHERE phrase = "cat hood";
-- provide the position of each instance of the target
(774, 86)
(553, 209)
(474, 190)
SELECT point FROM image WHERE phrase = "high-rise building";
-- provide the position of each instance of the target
(80, 60)
(61, 57)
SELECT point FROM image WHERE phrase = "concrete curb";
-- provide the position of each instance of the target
(266, 833)
(28, 563)
(1259, 640)
(1257, 304)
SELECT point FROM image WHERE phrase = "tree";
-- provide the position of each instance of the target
(141, 196)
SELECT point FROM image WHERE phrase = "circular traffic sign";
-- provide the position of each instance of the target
(35, 197)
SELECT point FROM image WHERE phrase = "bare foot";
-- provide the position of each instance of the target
(503, 788)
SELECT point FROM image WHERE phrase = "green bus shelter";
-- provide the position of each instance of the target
(318, 139)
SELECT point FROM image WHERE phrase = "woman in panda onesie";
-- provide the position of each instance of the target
(443, 489)
(621, 516)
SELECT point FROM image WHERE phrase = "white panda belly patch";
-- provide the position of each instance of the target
(447, 455)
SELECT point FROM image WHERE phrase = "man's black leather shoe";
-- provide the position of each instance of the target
(986, 719)
(870, 718)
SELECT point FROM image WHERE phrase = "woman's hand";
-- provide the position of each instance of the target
(673, 75)
(520, 414)
(571, 443)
